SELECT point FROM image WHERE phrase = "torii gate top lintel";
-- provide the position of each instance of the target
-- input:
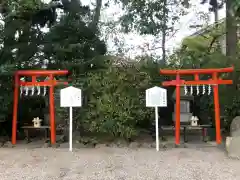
(196, 72)
(41, 72)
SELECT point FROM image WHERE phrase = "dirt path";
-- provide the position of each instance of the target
(117, 164)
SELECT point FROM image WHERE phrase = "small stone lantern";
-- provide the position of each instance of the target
(194, 121)
(185, 110)
(37, 122)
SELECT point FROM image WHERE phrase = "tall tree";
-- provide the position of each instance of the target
(235, 7)
(164, 30)
(232, 9)
(231, 31)
(26, 21)
(70, 42)
(215, 5)
(97, 14)
(156, 18)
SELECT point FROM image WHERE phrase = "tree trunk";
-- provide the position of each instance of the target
(164, 32)
(216, 19)
(97, 14)
(231, 32)
(163, 46)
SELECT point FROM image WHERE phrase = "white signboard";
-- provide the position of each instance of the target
(71, 97)
(156, 97)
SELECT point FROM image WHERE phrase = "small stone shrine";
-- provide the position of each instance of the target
(36, 122)
(194, 121)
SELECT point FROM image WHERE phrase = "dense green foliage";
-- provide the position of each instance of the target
(117, 100)
(113, 87)
(236, 7)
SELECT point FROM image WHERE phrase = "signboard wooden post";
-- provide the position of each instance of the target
(156, 97)
(70, 97)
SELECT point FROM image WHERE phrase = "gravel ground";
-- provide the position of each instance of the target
(117, 164)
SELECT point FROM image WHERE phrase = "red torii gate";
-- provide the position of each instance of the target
(51, 83)
(214, 81)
